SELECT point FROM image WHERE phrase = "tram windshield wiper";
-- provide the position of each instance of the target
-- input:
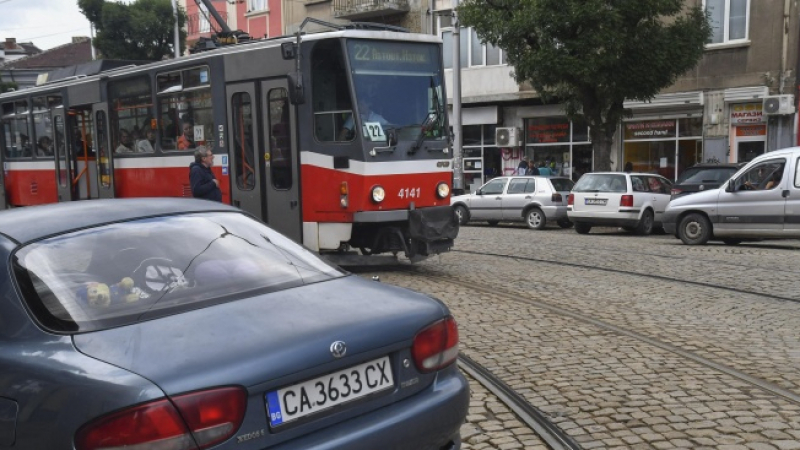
(426, 126)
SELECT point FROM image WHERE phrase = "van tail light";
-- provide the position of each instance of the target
(570, 199)
(626, 201)
(556, 198)
(436, 346)
(192, 421)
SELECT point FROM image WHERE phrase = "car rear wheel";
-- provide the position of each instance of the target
(535, 219)
(583, 228)
(564, 223)
(694, 229)
(462, 214)
(645, 226)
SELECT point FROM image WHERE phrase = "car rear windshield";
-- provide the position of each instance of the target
(123, 273)
(697, 175)
(562, 184)
(601, 182)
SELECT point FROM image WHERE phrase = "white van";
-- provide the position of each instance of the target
(760, 201)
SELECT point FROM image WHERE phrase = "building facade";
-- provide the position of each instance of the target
(739, 102)
(259, 18)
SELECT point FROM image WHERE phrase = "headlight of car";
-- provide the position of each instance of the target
(378, 194)
(442, 190)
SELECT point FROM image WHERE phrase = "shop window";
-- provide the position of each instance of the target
(184, 106)
(729, 20)
(131, 113)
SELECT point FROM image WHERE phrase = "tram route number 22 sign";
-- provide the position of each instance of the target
(374, 131)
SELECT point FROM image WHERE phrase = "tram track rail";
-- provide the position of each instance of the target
(551, 434)
(511, 296)
(632, 273)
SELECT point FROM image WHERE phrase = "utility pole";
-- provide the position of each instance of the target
(177, 44)
(458, 157)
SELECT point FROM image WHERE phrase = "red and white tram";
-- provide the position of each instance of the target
(296, 144)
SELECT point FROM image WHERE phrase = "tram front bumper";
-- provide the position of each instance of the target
(418, 232)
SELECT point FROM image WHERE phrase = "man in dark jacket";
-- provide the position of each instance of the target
(204, 183)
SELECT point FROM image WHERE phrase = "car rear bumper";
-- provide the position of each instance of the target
(555, 212)
(615, 219)
(428, 420)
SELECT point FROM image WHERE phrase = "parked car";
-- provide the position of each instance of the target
(187, 324)
(633, 201)
(535, 200)
(702, 177)
(761, 201)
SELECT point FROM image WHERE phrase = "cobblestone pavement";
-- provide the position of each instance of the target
(610, 390)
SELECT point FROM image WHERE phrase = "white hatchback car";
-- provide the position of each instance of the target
(633, 201)
(535, 200)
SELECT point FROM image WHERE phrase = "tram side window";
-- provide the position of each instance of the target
(185, 110)
(42, 128)
(280, 139)
(103, 163)
(131, 113)
(330, 91)
(242, 134)
(15, 129)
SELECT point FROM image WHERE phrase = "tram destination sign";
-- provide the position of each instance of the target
(377, 55)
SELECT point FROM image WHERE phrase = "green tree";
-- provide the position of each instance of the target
(591, 55)
(142, 30)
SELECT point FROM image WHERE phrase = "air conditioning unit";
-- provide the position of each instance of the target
(507, 136)
(778, 104)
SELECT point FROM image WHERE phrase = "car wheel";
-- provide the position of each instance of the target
(462, 214)
(493, 222)
(694, 229)
(563, 223)
(535, 219)
(732, 241)
(645, 226)
(583, 228)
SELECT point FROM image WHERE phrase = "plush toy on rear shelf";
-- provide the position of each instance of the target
(95, 294)
(100, 295)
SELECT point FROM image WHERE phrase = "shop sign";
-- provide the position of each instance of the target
(751, 130)
(746, 113)
(651, 129)
(547, 130)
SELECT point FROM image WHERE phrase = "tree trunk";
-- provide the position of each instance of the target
(601, 145)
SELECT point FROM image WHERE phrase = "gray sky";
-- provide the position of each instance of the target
(46, 23)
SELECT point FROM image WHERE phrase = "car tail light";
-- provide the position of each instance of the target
(626, 200)
(570, 199)
(436, 346)
(556, 198)
(211, 416)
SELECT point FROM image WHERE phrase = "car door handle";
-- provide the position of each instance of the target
(498, 198)
(528, 197)
(785, 193)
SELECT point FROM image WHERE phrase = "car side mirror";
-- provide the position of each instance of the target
(731, 186)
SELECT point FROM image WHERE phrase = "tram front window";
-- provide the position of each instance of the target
(398, 87)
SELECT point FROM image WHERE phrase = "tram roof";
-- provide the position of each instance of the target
(228, 50)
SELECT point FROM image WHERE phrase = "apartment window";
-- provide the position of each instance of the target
(473, 52)
(257, 5)
(204, 26)
(729, 20)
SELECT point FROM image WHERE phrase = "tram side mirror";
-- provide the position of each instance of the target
(296, 91)
(288, 50)
(430, 121)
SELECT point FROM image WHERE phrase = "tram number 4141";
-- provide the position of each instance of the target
(409, 193)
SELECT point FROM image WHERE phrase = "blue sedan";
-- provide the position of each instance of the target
(186, 324)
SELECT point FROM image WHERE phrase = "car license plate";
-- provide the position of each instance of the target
(596, 201)
(312, 396)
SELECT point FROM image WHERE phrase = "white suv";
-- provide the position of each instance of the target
(633, 201)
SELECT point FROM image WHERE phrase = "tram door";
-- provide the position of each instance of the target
(263, 154)
(63, 157)
(3, 198)
(105, 162)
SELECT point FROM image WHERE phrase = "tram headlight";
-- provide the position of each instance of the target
(442, 190)
(378, 194)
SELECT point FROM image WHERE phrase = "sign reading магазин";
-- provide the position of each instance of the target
(651, 129)
(747, 113)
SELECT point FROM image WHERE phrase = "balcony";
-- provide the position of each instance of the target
(368, 9)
